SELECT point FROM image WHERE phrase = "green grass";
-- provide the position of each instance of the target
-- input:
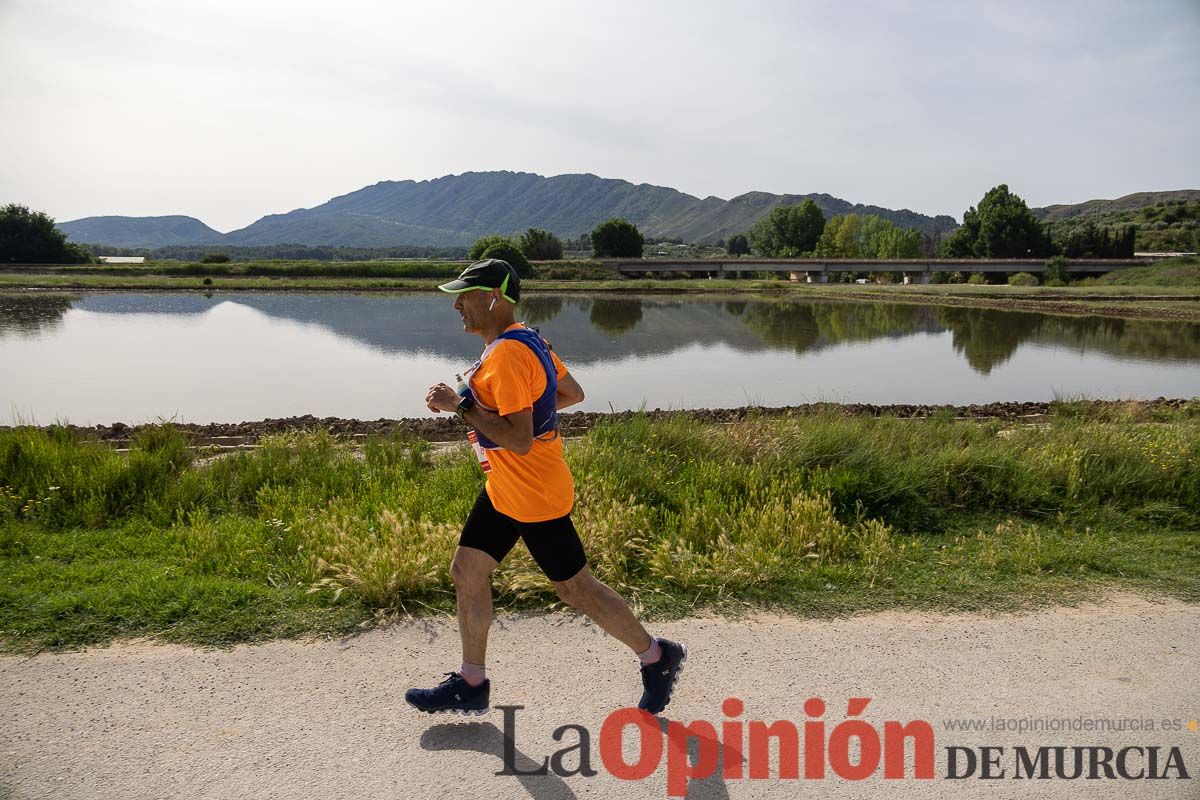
(817, 515)
(1183, 271)
(1082, 290)
(1173, 276)
(565, 269)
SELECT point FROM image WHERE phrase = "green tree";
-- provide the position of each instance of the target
(484, 242)
(1090, 241)
(540, 245)
(617, 238)
(897, 242)
(215, 258)
(872, 236)
(507, 251)
(788, 231)
(849, 240)
(30, 237)
(1056, 270)
(738, 245)
(1001, 227)
(827, 245)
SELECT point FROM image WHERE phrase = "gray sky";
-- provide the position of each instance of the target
(228, 110)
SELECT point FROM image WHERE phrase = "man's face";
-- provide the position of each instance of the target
(473, 306)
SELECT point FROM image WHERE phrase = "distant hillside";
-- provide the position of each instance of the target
(1162, 221)
(457, 209)
(139, 231)
(1130, 202)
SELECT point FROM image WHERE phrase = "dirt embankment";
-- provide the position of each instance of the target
(437, 429)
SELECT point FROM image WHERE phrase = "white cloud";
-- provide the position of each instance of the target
(230, 110)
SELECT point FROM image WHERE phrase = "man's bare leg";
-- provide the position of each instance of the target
(468, 691)
(608, 610)
(471, 570)
(605, 607)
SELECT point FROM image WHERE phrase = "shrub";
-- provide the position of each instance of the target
(788, 231)
(1056, 270)
(503, 248)
(215, 258)
(507, 251)
(576, 273)
(484, 242)
(31, 237)
(977, 279)
(618, 238)
(738, 245)
(1022, 279)
(541, 245)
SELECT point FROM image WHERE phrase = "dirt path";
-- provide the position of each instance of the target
(326, 719)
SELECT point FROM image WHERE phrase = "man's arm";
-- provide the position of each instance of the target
(512, 431)
(569, 392)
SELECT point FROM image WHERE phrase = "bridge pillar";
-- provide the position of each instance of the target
(916, 277)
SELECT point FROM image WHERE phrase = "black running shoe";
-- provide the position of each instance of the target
(453, 696)
(658, 679)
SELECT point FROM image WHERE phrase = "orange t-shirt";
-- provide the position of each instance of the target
(537, 486)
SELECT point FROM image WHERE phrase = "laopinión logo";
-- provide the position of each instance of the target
(738, 749)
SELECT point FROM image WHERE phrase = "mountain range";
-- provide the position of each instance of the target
(1130, 202)
(455, 210)
(148, 232)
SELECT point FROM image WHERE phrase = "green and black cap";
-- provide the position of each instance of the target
(491, 273)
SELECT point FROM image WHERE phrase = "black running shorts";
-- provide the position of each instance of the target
(554, 544)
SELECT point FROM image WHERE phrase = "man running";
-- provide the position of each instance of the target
(512, 396)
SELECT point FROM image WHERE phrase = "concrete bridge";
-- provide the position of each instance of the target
(818, 270)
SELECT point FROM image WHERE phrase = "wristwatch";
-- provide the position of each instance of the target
(464, 405)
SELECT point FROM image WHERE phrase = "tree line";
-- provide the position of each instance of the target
(613, 238)
(1000, 226)
(30, 237)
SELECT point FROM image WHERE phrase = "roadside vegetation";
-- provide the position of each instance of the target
(1166, 290)
(818, 515)
(1168, 225)
(1181, 271)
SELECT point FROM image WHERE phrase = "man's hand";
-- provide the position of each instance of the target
(442, 398)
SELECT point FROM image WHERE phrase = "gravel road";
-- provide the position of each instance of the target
(326, 719)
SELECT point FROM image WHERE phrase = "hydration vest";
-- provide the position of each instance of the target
(545, 413)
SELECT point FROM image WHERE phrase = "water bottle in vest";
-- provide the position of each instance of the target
(480, 453)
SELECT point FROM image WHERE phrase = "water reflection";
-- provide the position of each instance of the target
(790, 325)
(537, 309)
(631, 348)
(31, 314)
(615, 315)
(987, 337)
(1131, 338)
